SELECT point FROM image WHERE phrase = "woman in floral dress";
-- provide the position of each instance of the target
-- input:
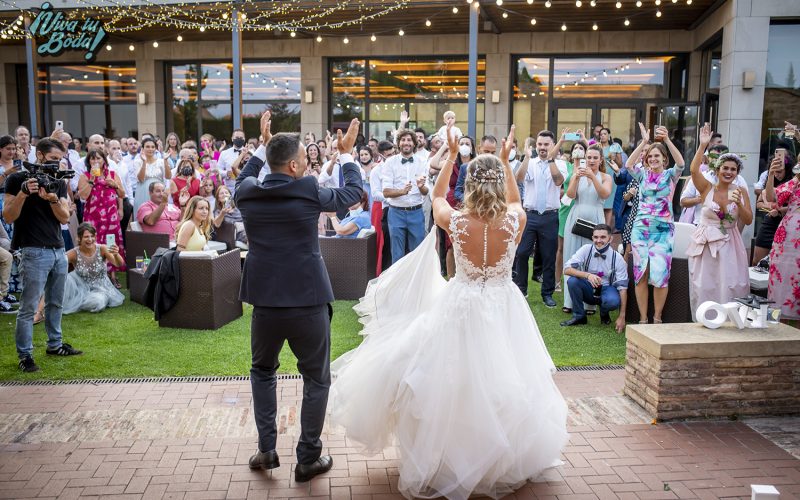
(653, 229)
(103, 193)
(784, 259)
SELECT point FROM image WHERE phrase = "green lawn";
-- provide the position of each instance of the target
(126, 342)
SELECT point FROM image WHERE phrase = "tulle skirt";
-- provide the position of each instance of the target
(80, 296)
(457, 376)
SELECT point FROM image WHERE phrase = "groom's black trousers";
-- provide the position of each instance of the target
(308, 332)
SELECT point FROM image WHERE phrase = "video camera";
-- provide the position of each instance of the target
(47, 174)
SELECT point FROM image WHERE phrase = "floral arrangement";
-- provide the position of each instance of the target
(724, 217)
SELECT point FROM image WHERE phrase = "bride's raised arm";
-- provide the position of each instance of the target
(441, 208)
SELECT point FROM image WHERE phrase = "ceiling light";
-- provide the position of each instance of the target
(578, 3)
(658, 13)
(499, 2)
(455, 10)
(401, 32)
(346, 40)
(564, 27)
(638, 3)
(594, 27)
(627, 22)
(593, 3)
(131, 48)
(373, 38)
(319, 38)
(155, 45)
(618, 4)
(530, 2)
(505, 15)
(108, 47)
(292, 34)
(428, 23)
(180, 38)
(548, 4)
(533, 21)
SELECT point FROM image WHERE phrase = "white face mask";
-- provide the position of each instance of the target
(464, 150)
(356, 211)
(512, 155)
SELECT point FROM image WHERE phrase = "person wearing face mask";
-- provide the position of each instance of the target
(185, 184)
(356, 220)
(285, 280)
(228, 156)
(488, 146)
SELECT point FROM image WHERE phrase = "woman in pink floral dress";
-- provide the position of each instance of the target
(784, 259)
(103, 193)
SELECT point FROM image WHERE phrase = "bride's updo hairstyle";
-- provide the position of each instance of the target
(485, 188)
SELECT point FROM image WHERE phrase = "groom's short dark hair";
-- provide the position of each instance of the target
(282, 149)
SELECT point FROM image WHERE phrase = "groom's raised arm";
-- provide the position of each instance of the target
(335, 199)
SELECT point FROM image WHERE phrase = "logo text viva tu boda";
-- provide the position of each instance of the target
(66, 34)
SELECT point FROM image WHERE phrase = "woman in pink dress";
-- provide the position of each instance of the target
(717, 258)
(103, 193)
(784, 259)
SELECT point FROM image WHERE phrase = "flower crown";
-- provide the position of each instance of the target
(716, 159)
(486, 176)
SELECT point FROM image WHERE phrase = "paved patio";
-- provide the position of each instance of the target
(192, 440)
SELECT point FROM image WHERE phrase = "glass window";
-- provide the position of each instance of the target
(90, 83)
(209, 88)
(123, 120)
(531, 93)
(348, 90)
(619, 78)
(423, 79)
(782, 92)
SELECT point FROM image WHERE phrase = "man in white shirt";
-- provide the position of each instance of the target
(403, 182)
(116, 164)
(543, 177)
(422, 142)
(228, 156)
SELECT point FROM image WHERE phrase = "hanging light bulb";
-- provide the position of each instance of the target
(593, 3)
(180, 38)
(505, 15)
(108, 47)
(605, 73)
(533, 22)
(658, 2)
(155, 45)
(618, 4)
(548, 4)
(578, 3)
(658, 13)
(131, 48)
(292, 34)
(455, 9)
(202, 29)
(627, 66)
(224, 15)
(401, 32)
(428, 23)
(373, 38)
(530, 2)
(688, 2)
(594, 27)
(627, 22)
(638, 3)
(564, 27)
(499, 2)
(346, 40)
(319, 38)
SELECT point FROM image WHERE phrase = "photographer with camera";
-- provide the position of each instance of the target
(36, 201)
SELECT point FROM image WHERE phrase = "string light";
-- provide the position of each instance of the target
(346, 40)
(578, 3)
(530, 2)
(658, 13)
(180, 38)
(499, 2)
(533, 22)
(618, 4)
(548, 4)
(455, 9)
(564, 27)
(292, 34)
(373, 38)
(401, 32)
(594, 27)
(319, 38)
(428, 22)
(627, 22)
(108, 47)
(505, 15)
(638, 3)
(131, 48)
(593, 3)
(155, 45)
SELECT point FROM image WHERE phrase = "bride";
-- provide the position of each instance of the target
(455, 373)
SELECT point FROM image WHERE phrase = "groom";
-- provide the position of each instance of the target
(286, 282)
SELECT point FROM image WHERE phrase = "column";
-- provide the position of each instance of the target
(151, 116)
(314, 78)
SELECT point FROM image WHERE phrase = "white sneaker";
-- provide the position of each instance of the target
(5, 308)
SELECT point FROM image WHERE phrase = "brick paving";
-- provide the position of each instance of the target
(192, 440)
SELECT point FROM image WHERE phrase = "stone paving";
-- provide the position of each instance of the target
(192, 440)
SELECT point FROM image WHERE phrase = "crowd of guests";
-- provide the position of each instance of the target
(581, 194)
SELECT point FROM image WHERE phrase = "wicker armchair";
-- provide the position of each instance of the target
(225, 233)
(140, 243)
(677, 308)
(351, 263)
(209, 293)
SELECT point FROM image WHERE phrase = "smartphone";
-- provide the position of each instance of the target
(582, 164)
(110, 240)
(59, 124)
(781, 153)
(571, 136)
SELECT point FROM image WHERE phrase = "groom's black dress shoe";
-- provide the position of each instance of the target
(303, 473)
(574, 321)
(265, 460)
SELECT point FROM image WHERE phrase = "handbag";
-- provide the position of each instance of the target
(583, 228)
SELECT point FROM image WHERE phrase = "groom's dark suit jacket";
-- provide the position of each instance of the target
(284, 267)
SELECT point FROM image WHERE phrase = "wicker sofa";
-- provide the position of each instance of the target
(351, 264)
(209, 293)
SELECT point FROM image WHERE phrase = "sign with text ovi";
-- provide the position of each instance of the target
(62, 34)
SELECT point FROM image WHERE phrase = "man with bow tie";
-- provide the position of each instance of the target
(403, 180)
(597, 275)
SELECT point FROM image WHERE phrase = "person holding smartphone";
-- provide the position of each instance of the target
(103, 193)
(88, 287)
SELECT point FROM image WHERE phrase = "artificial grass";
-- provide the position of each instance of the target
(126, 342)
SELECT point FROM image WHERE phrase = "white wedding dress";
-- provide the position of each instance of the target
(455, 373)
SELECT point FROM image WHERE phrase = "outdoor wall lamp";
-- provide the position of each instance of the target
(748, 80)
(309, 96)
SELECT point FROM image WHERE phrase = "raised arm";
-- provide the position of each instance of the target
(637, 153)
(442, 211)
(512, 190)
(769, 189)
(335, 199)
(258, 159)
(698, 179)
(436, 158)
(673, 150)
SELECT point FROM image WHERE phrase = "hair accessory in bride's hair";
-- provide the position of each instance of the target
(484, 176)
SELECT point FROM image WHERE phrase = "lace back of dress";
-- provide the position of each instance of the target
(485, 258)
